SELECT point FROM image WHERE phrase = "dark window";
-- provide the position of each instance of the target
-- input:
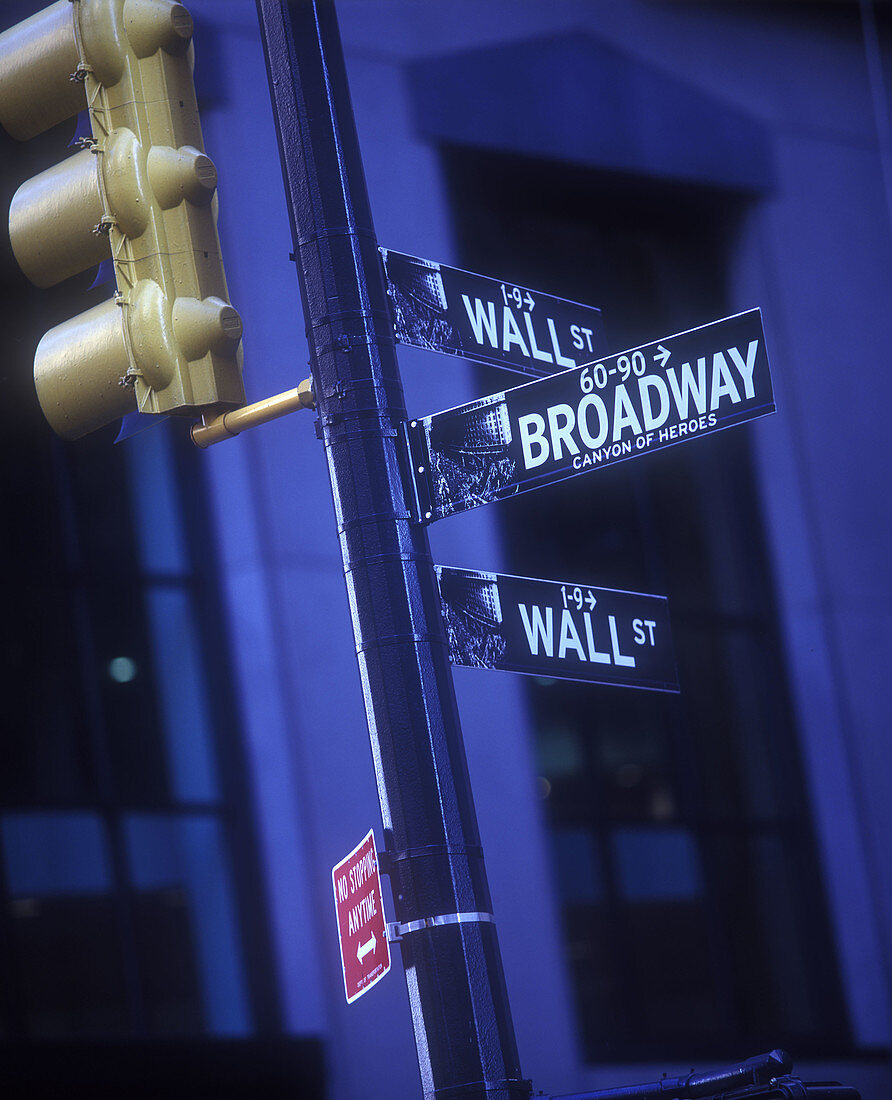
(129, 883)
(684, 863)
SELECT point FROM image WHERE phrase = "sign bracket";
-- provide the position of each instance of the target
(418, 455)
(396, 931)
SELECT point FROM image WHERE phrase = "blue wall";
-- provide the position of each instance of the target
(793, 86)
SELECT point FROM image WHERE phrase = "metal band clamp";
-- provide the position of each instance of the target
(396, 931)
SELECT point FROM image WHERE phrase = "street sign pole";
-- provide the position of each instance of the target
(463, 1029)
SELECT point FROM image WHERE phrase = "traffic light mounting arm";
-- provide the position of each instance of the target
(227, 425)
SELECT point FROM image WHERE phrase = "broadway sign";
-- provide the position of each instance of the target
(654, 396)
(562, 630)
(453, 311)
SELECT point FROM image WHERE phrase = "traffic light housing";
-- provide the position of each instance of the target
(141, 192)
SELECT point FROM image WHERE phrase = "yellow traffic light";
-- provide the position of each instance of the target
(143, 192)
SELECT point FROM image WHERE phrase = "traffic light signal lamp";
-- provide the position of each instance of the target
(142, 191)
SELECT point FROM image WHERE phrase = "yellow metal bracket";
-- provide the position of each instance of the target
(230, 423)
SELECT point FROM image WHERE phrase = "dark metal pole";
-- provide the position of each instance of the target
(463, 1030)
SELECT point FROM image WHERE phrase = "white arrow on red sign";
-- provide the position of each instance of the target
(365, 948)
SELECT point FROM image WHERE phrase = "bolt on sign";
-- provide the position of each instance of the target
(445, 309)
(612, 409)
(362, 930)
(558, 629)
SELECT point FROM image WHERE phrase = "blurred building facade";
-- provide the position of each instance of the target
(675, 880)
